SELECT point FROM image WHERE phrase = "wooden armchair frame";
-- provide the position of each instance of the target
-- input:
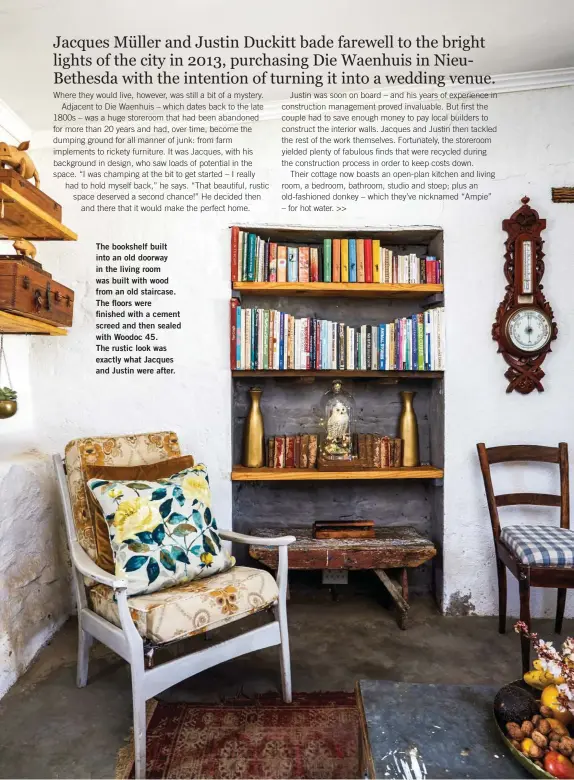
(527, 576)
(128, 643)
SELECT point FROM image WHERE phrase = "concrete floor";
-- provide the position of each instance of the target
(51, 729)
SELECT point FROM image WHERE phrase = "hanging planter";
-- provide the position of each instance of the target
(8, 402)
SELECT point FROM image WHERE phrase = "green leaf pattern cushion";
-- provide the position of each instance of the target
(162, 533)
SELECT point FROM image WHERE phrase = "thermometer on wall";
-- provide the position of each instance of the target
(525, 293)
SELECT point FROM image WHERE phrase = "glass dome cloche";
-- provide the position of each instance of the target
(337, 412)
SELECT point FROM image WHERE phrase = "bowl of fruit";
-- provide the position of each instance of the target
(535, 715)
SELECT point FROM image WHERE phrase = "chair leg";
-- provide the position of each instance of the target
(140, 726)
(560, 605)
(285, 656)
(524, 591)
(501, 571)
(84, 643)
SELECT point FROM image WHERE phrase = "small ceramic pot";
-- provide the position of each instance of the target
(8, 409)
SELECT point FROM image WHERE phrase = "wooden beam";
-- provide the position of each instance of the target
(15, 324)
(19, 218)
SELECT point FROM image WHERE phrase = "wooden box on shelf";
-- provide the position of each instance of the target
(344, 529)
(31, 292)
(331, 464)
(26, 189)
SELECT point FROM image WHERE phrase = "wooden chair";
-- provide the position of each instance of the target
(127, 625)
(540, 556)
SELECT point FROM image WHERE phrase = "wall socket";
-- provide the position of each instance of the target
(335, 577)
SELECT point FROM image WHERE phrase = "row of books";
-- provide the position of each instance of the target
(270, 340)
(379, 452)
(254, 259)
(292, 452)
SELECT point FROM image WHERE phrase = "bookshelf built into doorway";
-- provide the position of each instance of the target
(404, 288)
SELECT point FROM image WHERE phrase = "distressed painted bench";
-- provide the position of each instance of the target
(396, 547)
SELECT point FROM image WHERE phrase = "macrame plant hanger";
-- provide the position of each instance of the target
(3, 358)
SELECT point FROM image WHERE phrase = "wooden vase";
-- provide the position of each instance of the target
(254, 436)
(409, 430)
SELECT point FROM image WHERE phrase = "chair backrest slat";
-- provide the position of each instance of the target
(523, 452)
(537, 499)
(528, 453)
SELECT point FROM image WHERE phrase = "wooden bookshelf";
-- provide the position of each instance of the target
(266, 474)
(291, 373)
(19, 218)
(16, 324)
(339, 289)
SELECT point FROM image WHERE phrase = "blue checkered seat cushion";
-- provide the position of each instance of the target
(540, 545)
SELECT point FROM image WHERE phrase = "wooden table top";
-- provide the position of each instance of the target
(431, 731)
(392, 547)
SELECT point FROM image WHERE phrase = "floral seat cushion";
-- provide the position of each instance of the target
(192, 608)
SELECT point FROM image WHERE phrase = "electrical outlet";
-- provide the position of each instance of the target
(335, 577)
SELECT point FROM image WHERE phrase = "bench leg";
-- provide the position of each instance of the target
(399, 594)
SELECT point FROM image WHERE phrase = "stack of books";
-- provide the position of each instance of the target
(270, 340)
(379, 452)
(254, 259)
(292, 452)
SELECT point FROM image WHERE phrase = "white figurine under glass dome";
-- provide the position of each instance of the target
(338, 419)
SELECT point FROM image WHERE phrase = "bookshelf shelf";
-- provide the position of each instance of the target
(339, 289)
(19, 218)
(14, 323)
(290, 373)
(266, 474)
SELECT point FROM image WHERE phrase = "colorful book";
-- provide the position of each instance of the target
(336, 260)
(234, 335)
(352, 260)
(369, 270)
(344, 259)
(360, 249)
(303, 264)
(272, 262)
(292, 264)
(327, 260)
(234, 254)
(281, 263)
(314, 260)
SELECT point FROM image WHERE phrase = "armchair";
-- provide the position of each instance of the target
(134, 626)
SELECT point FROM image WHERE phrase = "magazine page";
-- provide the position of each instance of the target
(285, 338)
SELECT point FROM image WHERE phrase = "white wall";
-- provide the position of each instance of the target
(532, 152)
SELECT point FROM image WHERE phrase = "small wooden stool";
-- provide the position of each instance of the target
(398, 547)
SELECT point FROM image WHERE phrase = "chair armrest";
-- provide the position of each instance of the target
(264, 541)
(88, 568)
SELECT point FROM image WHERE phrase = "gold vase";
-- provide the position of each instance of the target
(409, 430)
(8, 409)
(254, 436)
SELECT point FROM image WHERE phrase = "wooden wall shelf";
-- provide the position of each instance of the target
(339, 289)
(14, 323)
(19, 218)
(290, 373)
(242, 474)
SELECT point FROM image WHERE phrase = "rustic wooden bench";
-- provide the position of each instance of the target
(398, 547)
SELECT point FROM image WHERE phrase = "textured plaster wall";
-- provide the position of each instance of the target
(63, 399)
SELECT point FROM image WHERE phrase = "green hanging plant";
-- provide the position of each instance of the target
(7, 394)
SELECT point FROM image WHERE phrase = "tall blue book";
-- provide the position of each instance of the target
(282, 341)
(382, 347)
(352, 260)
(251, 252)
(292, 264)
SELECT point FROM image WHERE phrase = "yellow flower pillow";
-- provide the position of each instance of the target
(162, 533)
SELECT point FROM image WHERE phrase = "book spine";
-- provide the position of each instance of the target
(259, 362)
(360, 250)
(298, 451)
(309, 343)
(281, 263)
(382, 340)
(282, 341)
(352, 260)
(336, 258)
(256, 261)
(303, 263)
(369, 260)
(314, 255)
(341, 348)
(313, 441)
(369, 348)
(377, 452)
(344, 259)
(289, 452)
(234, 254)
(292, 264)
(376, 260)
(266, 261)
(251, 246)
(305, 451)
(252, 339)
(279, 455)
(272, 262)
(291, 342)
(266, 316)
(233, 322)
(370, 446)
(327, 260)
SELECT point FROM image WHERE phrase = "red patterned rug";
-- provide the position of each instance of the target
(315, 737)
